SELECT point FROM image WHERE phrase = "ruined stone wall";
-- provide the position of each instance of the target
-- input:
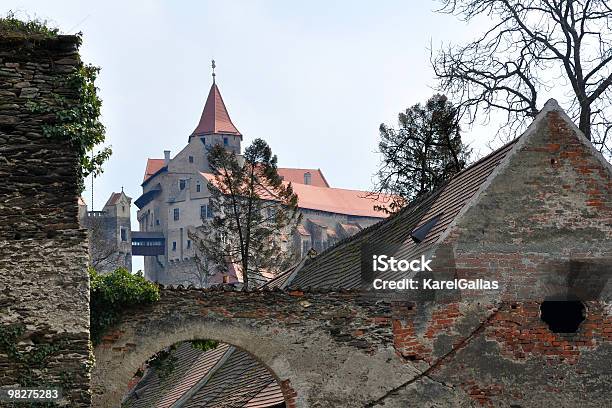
(44, 284)
(328, 349)
(543, 229)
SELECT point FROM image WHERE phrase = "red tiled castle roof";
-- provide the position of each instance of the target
(215, 118)
(297, 176)
(334, 200)
(153, 166)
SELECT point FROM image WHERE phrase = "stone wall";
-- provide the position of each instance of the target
(44, 284)
(328, 349)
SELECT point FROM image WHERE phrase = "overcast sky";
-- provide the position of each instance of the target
(314, 78)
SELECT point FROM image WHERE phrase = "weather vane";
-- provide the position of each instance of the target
(213, 70)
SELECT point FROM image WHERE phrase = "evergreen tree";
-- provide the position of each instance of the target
(424, 151)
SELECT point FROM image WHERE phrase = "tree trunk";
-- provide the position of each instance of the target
(585, 120)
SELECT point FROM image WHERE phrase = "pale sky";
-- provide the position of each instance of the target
(314, 79)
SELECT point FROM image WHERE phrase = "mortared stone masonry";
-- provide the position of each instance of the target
(44, 284)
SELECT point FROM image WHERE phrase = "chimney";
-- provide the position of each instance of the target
(166, 157)
(307, 178)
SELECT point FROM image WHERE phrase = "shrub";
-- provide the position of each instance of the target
(111, 294)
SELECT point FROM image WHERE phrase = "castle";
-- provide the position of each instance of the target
(109, 233)
(175, 196)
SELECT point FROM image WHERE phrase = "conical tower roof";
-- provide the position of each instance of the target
(215, 119)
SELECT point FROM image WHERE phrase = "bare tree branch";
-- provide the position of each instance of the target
(511, 64)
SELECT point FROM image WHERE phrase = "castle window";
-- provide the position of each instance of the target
(206, 212)
(182, 184)
(225, 141)
(203, 140)
(198, 187)
(174, 245)
(156, 222)
(123, 234)
(188, 243)
(176, 214)
(271, 212)
(190, 159)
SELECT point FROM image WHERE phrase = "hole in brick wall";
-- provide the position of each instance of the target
(562, 316)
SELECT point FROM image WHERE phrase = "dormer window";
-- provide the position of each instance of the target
(419, 234)
(307, 178)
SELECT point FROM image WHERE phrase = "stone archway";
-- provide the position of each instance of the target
(206, 373)
(326, 349)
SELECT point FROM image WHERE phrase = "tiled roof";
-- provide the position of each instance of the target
(334, 200)
(297, 176)
(340, 267)
(221, 377)
(153, 166)
(239, 380)
(113, 199)
(338, 200)
(350, 229)
(280, 280)
(151, 389)
(267, 397)
(215, 118)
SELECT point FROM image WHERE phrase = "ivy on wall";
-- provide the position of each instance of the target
(30, 362)
(75, 118)
(78, 122)
(12, 26)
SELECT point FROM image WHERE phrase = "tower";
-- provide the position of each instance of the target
(215, 125)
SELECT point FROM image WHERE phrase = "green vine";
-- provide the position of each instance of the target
(13, 26)
(204, 345)
(31, 364)
(78, 122)
(75, 118)
(163, 362)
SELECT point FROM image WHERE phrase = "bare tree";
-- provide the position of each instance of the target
(254, 210)
(532, 46)
(104, 252)
(204, 269)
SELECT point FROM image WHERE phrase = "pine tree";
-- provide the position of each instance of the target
(424, 151)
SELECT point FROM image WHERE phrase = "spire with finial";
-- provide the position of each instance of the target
(215, 119)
